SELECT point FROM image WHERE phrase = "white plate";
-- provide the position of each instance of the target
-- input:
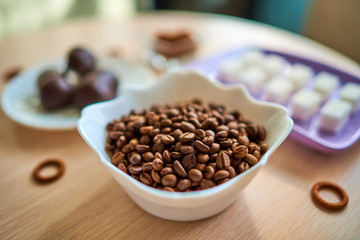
(20, 99)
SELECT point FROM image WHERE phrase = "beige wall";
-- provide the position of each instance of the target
(336, 23)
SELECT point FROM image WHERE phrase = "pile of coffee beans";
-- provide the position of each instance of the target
(184, 147)
(93, 85)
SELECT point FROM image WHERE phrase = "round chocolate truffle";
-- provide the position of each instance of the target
(96, 86)
(81, 61)
(55, 92)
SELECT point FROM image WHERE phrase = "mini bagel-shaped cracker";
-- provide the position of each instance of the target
(60, 168)
(329, 205)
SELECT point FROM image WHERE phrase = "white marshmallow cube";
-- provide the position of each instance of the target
(300, 75)
(304, 104)
(325, 83)
(229, 70)
(253, 78)
(278, 90)
(253, 57)
(273, 64)
(334, 114)
(351, 92)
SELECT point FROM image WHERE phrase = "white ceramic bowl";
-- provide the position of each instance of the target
(172, 88)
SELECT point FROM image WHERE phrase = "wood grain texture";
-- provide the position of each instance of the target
(87, 203)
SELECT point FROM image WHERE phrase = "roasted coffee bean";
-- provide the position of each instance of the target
(226, 144)
(135, 170)
(263, 148)
(166, 170)
(232, 172)
(167, 156)
(222, 128)
(176, 134)
(243, 166)
(195, 122)
(158, 147)
(251, 159)
(167, 139)
(178, 168)
(146, 179)
(253, 146)
(243, 140)
(176, 155)
(117, 157)
(202, 157)
(209, 140)
(221, 174)
(166, 123)
(187, 127)
(176, 125)
(147, 167)
(183, 184)
(209, 172)
(126, 149)
(122, 141)
(223, 161)
(207, 124)
(142, 148)
(202, 147)
(200, 166)
(195, 175)
(157, 164)
(114, 135)
(189, 161)
(133, 143)
(213, 157)
(207, 183)
(199, 134)
(187, 149)
(215, 148)
(222, 135)
(177, 146)
(166, 130)
(122, 167)
(146, 130)
(187, 137)
(261, 133)
(251, 130)
(135, 159)
(145, 140)
(233, 133)
(154, 132)
(240, 152)
(157, 138)
(210, 133)
(155, 176)
(169, 180)
(148, 156)
(223, 181)
(168, 189)
(257, 154)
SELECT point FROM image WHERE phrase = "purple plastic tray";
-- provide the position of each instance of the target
(306, 133)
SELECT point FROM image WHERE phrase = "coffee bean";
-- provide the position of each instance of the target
(232, 125)
(122, 141)
(209, 140)
(213, 157)
(215, 147)
(177, 146)
(155, 176)
(261, 132)
(257, 154)
(168, 189)
(243, 167)
(240, 152)
(223, 181)
(178, 168)
(135, 159)
(187, 137)
(189, 161)
(166, 130)
(146, 179)
(154, 132)
(114, 135)
(251, 159)
(187, 127)
(145, 140)
(226, 144)
(157, 164)
(251, 130)
(195, 122)
(126, 149)
(195, 175)
(147, 167)
(232, 172)
(135, 170)
(222, 128)
(142, 148)
(148, 156)
(222, 135)
(166, 170)
(202, 157)
(221, 174)
(166, 123)
(176, 134)
(199, 134)
(223, 161)
(243, 140)
(122, 167)
(233, 133)
(158, 147)
(176, 155)
(146, 130)
(210, 133)
(202, 147)
(209, 172)
(115, 159)
(169, 180)
(206, 184)
(200, 166)
(167, 139)
(183, 184)
(167, 156)
(187, 149)
(263, 148)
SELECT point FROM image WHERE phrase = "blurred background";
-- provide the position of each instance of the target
(335, 23)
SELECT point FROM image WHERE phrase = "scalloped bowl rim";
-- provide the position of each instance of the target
(86, 112)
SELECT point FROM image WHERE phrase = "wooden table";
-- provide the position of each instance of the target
(87, 203)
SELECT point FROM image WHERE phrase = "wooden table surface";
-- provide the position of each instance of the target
(87, 203)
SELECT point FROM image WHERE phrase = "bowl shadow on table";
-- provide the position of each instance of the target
(121, 218)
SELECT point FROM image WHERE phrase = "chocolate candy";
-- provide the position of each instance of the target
(81, 61)
(95, 87)
(55, 92)
(174, 45)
